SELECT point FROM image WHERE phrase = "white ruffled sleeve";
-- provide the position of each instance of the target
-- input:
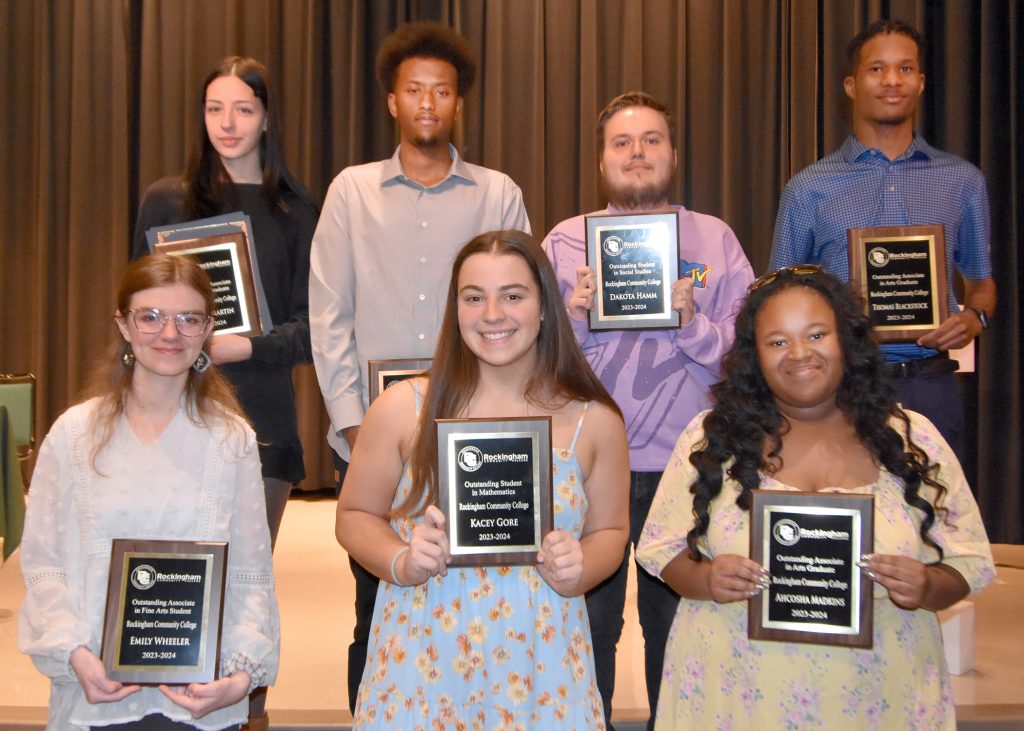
(52, 624)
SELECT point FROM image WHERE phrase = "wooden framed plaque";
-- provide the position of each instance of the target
(635, 259)
(165, 602)
(810, 543)
(223, 246)
(900, 271)
(495, 489)
(383, 373)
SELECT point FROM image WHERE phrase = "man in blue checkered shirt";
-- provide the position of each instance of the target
(885, 175)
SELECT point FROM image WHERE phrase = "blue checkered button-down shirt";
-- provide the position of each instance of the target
(858, 187)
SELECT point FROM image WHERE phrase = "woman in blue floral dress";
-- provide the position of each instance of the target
(504, 647)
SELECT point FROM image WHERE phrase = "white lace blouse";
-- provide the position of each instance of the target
(192, 483)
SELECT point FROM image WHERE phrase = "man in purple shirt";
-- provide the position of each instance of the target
(660, 378)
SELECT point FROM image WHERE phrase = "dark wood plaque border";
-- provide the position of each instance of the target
(617, 220)
(792, 498)
(240, 253)
(209, 659)
(542, 490)
(405, 367)
(859, 238)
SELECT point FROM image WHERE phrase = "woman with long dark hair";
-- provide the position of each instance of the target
(160, 452)
(804, 406)
(503, 645)
(237, 165)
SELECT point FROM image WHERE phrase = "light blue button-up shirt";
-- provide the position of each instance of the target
(858, 187)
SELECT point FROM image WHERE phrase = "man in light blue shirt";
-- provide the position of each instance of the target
(885, 175)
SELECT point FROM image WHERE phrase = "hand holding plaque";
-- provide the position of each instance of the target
(900, 271)
(810, 543)
(495, 489)
(164, 611)
(635, 259)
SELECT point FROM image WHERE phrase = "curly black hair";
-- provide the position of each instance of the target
(426, 40)
(745, 414)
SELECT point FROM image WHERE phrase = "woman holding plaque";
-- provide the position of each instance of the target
(159, 453)
(238, 165)
(804, 406)
(489, 646)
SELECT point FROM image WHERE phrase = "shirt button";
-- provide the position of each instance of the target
(892, 188)
(422, 297)
(423, 224)
(422, 336)
(423, 260)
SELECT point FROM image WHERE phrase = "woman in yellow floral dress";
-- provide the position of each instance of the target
(804, 406)
(504, 647)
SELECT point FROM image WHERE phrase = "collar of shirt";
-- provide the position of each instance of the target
(853, 151)
(459, 171)
(624, 212)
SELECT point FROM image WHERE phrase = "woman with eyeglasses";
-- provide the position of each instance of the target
(804, 406)
(160, 452)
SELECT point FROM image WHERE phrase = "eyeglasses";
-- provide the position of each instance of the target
(151, 321)
(799, 270)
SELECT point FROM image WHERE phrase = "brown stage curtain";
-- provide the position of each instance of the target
(99, 99)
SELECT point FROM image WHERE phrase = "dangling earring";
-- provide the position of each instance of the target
(128, 359)
(202, 363)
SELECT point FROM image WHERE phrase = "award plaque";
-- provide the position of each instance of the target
(901, 274)
(164, 609)
(223, 247)
(495, 489)
(635, 259)
(810, 543)
(383, 373)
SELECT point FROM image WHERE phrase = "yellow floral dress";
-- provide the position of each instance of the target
(716, 678)
(488, 649)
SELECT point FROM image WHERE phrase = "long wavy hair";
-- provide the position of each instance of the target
(745, 419)
(209, 398)
(209, 189)
(562, 374)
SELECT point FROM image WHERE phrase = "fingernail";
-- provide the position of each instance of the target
(870, 574)
(867, 557)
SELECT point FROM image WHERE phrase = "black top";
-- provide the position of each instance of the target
(264, 382)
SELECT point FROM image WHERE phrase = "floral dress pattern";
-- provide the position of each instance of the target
(714, 677)
(484, 648)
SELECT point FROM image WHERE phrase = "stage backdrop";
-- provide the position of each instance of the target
(99, 100)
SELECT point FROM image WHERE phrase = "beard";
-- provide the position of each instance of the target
(634, 197)
(428, 141)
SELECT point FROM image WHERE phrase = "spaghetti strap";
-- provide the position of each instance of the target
(416, 394)
(579, 426)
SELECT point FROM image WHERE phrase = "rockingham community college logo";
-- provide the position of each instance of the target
(878, 257)
(786, 532)
(470, 459)
(613, 246)
(143, 577)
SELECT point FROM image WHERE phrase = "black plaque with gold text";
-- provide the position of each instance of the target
(900, 271)
(495, 489)
(224, 248)
(383, 373)
(810, 542)
(164, 611)
(635, 259)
